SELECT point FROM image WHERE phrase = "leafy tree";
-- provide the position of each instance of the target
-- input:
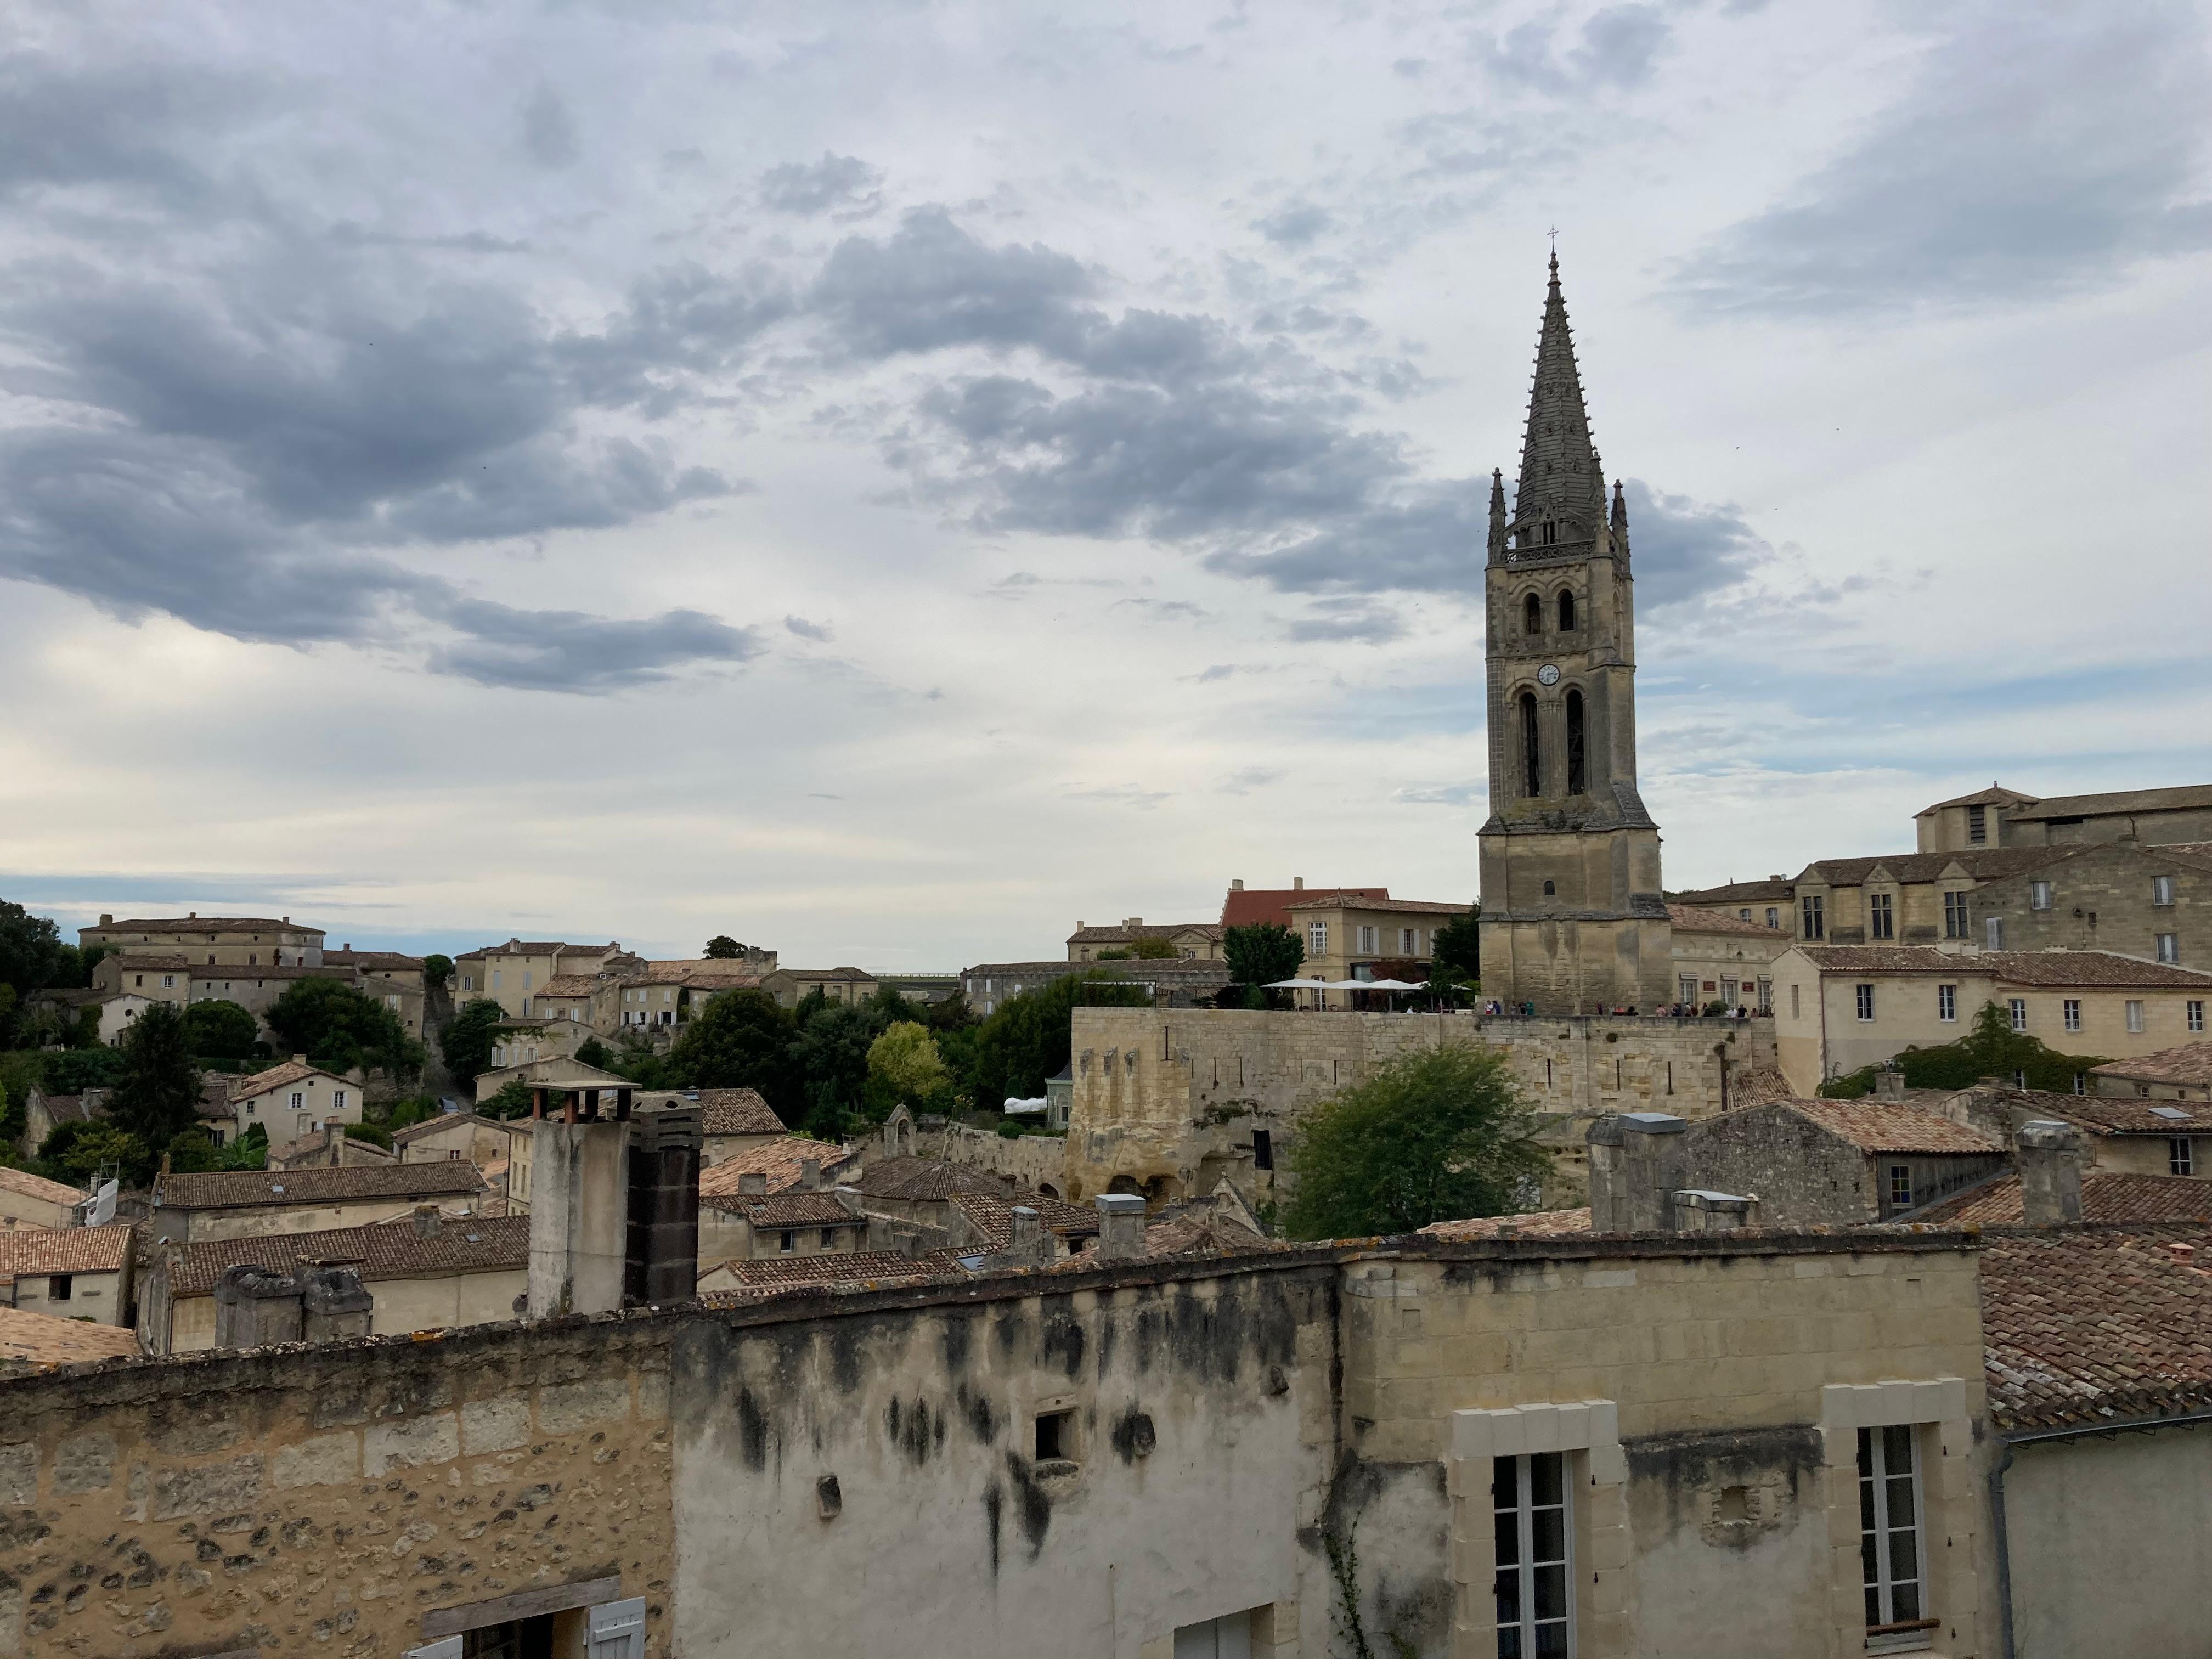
(338, 1029)
(1155, 950)
(158, 1094)
(1028, 1037)
(75, 1070)
(11, 1120)
(77, 1152)
(192, 1150)
(249, 1152)
(591, 1051)
(221, 1030)
(1456, 956)
(889, 1006)
(1991, 1048)
(30, 949)
(740, 1040)
(511, 1099)
(436, 971)
(723, 948)
(1262, 953)
(413, 1110)
(831, 1052)
(1435, 1135)
(905, 1060)
(466, 1040)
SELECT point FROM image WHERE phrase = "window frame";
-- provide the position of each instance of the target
(1881, 915)
(2162, 892)
(1863, 1001)
(1947, 1005)
(2166, 947)
(2180, 1155)
(2069, 1013)
(2016, 1011)
(1879, 1580)
(1522, 1515)
(1977, 826)
(2134, 1016)
(1898, 1186)
(1812, 916)
(2194, 1010)
(2038, 896)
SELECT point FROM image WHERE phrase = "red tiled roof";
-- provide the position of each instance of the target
(1759, 1086)
(991, 1214)
(430, 1126)
(1360, 901)
(707, 973)
(779, 1160)
(2107, 1195)
(2114, 1115)
(26, 1185)
(919, 1179)
(1125, 935)
(372, 961)
(795, 1209)
(64, 1249)
(227, 1189)
(577, 986)
(766, 1273)
(1688, 920)
(2088, 1325)
(721, 1111)
(1244, 906)
(1539, 1224)
(278, 1077)
(35, 1342)
(2052, 969)
(2190, 1063)
(1888, 1126)
(387, 1249)
(151, 964)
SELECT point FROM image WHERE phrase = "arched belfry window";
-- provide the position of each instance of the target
(1532, 615)
(1532, 754)
(1578, 771)
(1551, 532)
(1566, 613)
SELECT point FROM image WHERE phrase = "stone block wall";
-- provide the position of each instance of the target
(2101, 900)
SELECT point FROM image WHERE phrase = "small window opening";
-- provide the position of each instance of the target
(1263, 1150)
(1055, 1437)
(1734, 1505)
(1532, 615)
(1578, 782)
(1532, 752)
(1566, 613)
(1550, 889)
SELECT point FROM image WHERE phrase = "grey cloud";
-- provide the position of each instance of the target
(1296, 226)
(1433, 537)
(569, 651)
(549, 129)
(818, 632)
(1244, 781)
(2007, 168)
(1617, 49)
(1125, 794)
(1686, 550)
(932, 285)
(63, 126)
(1356, 621)
(1443, 794)
(844, 183)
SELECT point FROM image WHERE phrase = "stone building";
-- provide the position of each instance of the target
(2181, 1073)
(1175, 983)
(2124, 896)
(1573, 920)
(32, 1201)
(240, 1203)
(71, 1273)
(1997, 817)
(1188, 939)
(210, 941)
(1720, 958)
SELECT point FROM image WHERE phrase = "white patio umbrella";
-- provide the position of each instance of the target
(1299, 985)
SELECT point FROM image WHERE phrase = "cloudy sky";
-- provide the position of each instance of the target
(889, 480)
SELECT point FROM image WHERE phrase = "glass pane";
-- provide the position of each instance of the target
(1547, 1539)
(1900, 1502)
(1903, 1559)
(1866, 1452)
(1551, 1641)
(1874, 1607)
(1509, 1641)
(1546, 1470)
(1897, 1450)
(1869, 1567)
(1904, 1600)
(1509, 1539)
(1509, 1597)
(1505, 1483)
(1866, 1506)
(1550, 1592)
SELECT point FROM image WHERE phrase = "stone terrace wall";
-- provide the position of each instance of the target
(1030, 1162)
(319, 1500)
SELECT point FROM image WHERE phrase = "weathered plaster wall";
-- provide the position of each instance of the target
(403, 1306)
(318, 1501)
(2100, 1531)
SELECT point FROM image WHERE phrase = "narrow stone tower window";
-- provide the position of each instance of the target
(1551, 534)
(1532, 615)
(1532, 754)
(1566, 613)
(1577, 783)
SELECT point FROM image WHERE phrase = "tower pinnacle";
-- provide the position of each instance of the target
(1561, 485)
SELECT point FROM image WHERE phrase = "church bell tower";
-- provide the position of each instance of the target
(1573, 918)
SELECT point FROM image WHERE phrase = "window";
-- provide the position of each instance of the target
(1773, 916)
(1317, 939)
(2070, 1013)
(1227, 1638)
(2169, 947)
(2018, 1009)
(1744, 914)
(1578, 766)
(1532, 750)
(828, 1238)
(1794, 1013)
(168, 982)
(496, 975)
(1881, 915)
(1955, 916)
(1810, 911)
(2080, 1083)
(2161, 890)
(1900, 1185)
(62, 1287)
(299, 1099)
(787, 1241)
(1532, 615)
(337, 1099)
(1947, 1002)
(1977, 825)
(1566, 613)
(1528, 1497)
(1263, 1149)
(2196, 1014)
(2038, 896)
(1409, 939)
(1889, 1532)
(2135, 1017)
(2180, 1155)
(1865, 1001)
(1993, 929)
(1055, 1437)
(1367, 940)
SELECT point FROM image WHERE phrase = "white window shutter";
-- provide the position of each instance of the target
(448, 1648)
(617, 1630)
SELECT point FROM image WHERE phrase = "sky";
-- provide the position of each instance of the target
(891, 481)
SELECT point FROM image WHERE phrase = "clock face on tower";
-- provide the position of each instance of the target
(1548, 674)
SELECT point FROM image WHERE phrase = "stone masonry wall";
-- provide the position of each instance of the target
(320, 1500)
(1029, 1160)
(2101, 900)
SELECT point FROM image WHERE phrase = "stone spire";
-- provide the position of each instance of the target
(1560, 474)
(1496, 516)
(1619, 520)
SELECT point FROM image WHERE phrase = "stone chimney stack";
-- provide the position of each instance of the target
(2049, 1157)
(334, 1304)
(579, 1207)
(1298, 883)
(810, 1175)
(428, 1224)
(255, 1307)
(662, 1250)
(1635, 1170)
(1889, 1084)
(1121, 1226)
(752, 1183)
(1029, 1245)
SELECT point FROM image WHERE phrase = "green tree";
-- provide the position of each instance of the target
(1261, 953)
(76, 1152)
(73, 1071)
(1435, 1135)
(192, 1150)
(249, 1152)
(1154, 950)
(158, 1094)
(511, 1099)
(466, 1040)
(436, 971)
(740, 1040)
(831, 1051)
(338, 1029)
(1991, 1048)
(1457, 953)
(1028, 1037)
(723, 948)
(30, 949)
(221, 1030)
(905, 1060)
(591, 1051)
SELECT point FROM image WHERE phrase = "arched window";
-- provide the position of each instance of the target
(1532, 756)
(1577, 778)
(1532, 615)
(1551, 889)
(1551, 534)
(1566, 613)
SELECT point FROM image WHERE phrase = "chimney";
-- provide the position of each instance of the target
(255, 1307)
(1635, 1170)
(107, 918)
(1298, 883)
(1889, 1084)
(428, 1224)
(2184, 1256)
(1133, 922)
(579, 1213)
(1238, 885)
(752, 1183)
(1029, 1246)
(335, 1305)
(1121, 1226)
(2049, 1157)
(810, 1175)
(192, 915)
(348, 945)
(662, 1255)
(1697, 1212)
(299, 1060)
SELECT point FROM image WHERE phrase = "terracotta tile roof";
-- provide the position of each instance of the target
(2115, 1115)
(227, 1189)
(569, 984)
(68, 1109)
(370, 961)
(1244, 906)
(2084, 1325)
(1996, 795)
(1201, 1232)
(721, 1111)
(1124, 935)
(277, 1077)
(768, 1273)
(2190, 1063)
(387, 1249)
(34, 1341)
(2181, 797)
(1888, 1126)
(826, 974)
(2052, 969)
(1539, 1224)
(795, 1209)
(992, 1215)
(920, 1180)
(1982, 863)
(429, 1126)
(1360, 901)
(1773, 889)
(1685, 918)
(64, 1249)
(779, 1160)
(1759, 1086)
(205, 925)
(706, 974)
(2107, 1195)
(24, 1183)
(152, 964)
